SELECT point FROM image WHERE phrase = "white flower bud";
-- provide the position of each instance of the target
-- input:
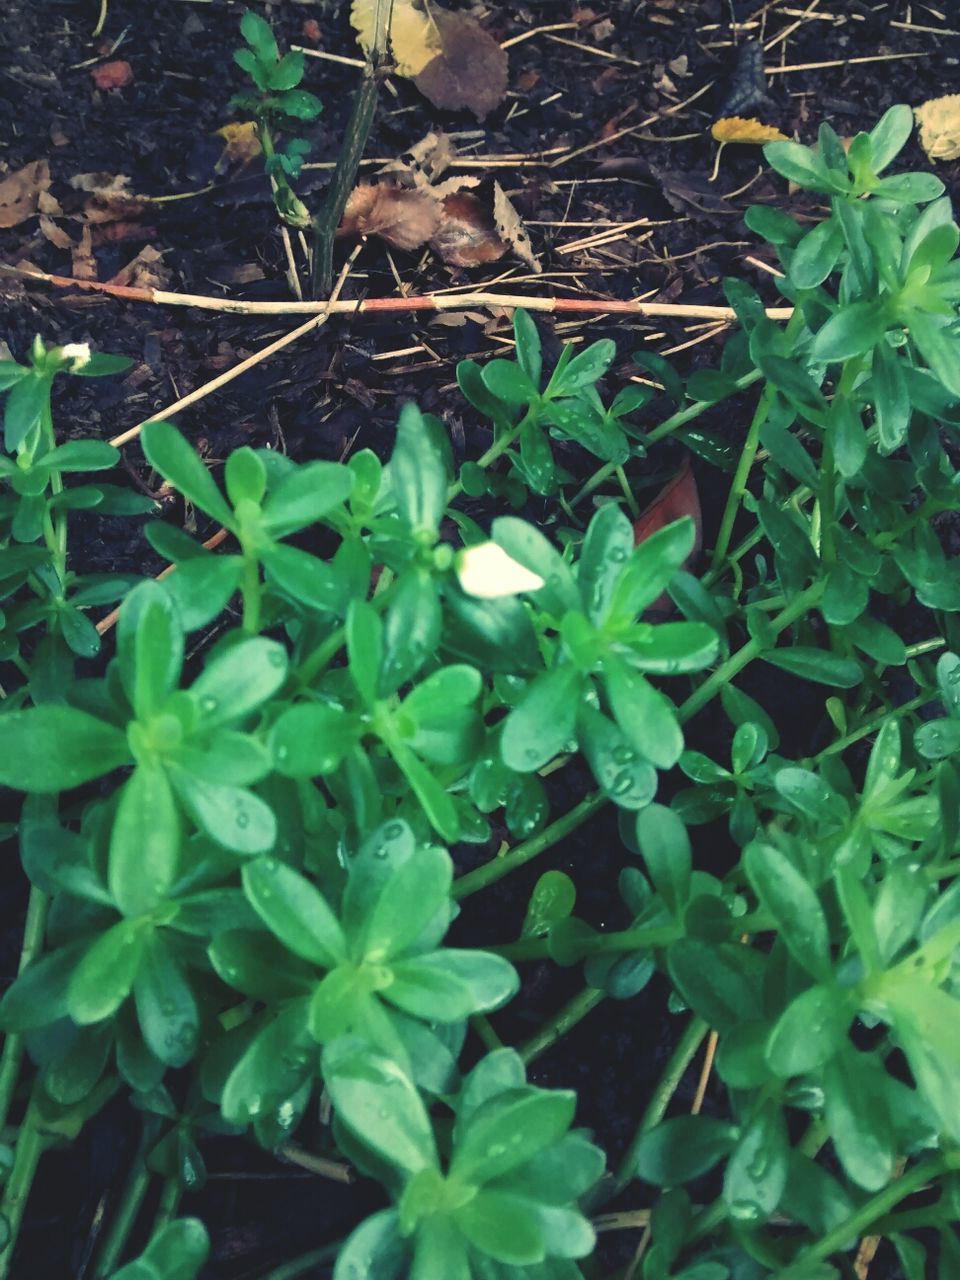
(78, 353)
(487, 572)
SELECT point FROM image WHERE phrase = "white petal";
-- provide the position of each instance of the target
(487, 572)
(76, 352)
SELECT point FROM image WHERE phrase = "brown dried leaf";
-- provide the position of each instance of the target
(111, 200)
(467, 234)
(144, 271)
(20, 192)
(404, 219)
(939, 121)
(679, 497)
(424, 162)
(113, 75)
(511, 229)
(84, 263)
(56, 235)
(469, 71)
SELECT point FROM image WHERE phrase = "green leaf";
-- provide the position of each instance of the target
(935, 339)
(720, 982)
(149, 647)
(239, 679)
(305, 496)
(756, 1174)
(525, 543)
(379, 1105)
(545, 720)
(82, 455)
(11, 373)
(647, 573)
(646, 716)
(503, 1227)
(927, 1022)
(166, 1008)
(259, 36)
(292, 908)
(811, 1029)
(794, 905)
(508, 1130)
(245, 476)
(312, 738)
(288, 72)
(859, 1122)
(437, 804)
(854, 329)
(816, 255)
(681, 1149)
(144, 842)
(672, 648)
(622, 772)
(24, 408)
(275, 1064)
(375, 1247)
(527, 340)
(418, 474)
(450, 985)
(808, 663)
(233, 817)
(889, 135)
(508, 382)
(38, 996)
(799, 165)
(171, 455)
(308, 580)
(53, 748)
(364, 648)
(408, 901)
(552, 899)
(411, 629)
(104, 977)
(606, 548)
(584, 369)
(665, 846)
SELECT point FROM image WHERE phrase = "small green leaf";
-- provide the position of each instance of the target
(305, 496)
(418, 474)
(553, 899)
(854, 329)
(808, 663)
(665, 846)
(409, 900)
(450, 985)
(166, 1008)
(527, 340)
(646, 716)
(681, 1149)
(144, 842)
(104, 977)
(794, 905)
(171, 455)
(295, 910)
(506, 1131)
(756, 1174)
(53, 748)
(544, 722)
(149, 647)
(811, 1029)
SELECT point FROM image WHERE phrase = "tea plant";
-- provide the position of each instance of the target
(243, 864)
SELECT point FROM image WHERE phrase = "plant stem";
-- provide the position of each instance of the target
(30, 1147)
(497, 868)
(564, 1020)
(666, 428)
(752, 649)
(859, 1222)
(12, 1056)
(170, 1196)
(250, 592)
(124, 1217)
(305, 1264)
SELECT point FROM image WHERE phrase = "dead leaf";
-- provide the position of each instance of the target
(527, 80)
(112, 75)
(311, 31)
(510, 228)
(467, 233)
(404, 219)
(144, 271)
(469, 71)
(111, 199)
(425, 161)
(939, 121)
(603, 30)
(684, 191)
(745, 132)
(84, 263)
(56, 235)
(679, 497)
(241, 145)
(20, 192)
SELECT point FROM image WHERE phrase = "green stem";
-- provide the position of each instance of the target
(497, 868)
(860, 1222)
(344, 178)
(251, 593)
(30, 1147)
(801, 605)
(305, 1264)
(564, 1020)
(125, 1215)
(12, 1056)
(504, 441)
(738, 488)
(170, 1196)
(666, 428)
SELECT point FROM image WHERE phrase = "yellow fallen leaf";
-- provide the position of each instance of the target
(414, 38)
(939, 121)
(241, 144)
(745, 132)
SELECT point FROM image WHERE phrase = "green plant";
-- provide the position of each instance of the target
(258, 886)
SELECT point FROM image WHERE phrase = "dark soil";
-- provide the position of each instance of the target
(339, 389)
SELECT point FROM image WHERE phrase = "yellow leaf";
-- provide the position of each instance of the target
(939, 121)
(748, 132)
(241, 144)
(414, 38)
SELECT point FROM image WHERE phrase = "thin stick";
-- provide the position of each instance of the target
(257, 358)
(842, 62)
(110, 619)
(417, 302)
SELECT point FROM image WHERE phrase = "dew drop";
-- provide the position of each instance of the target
(618, 555)
(393, 830)
(623, 754)
(282, 753)
(208, 704)
(276, 658)
(242, 820)
(621, 784)
(746, 1211)
(381, 852)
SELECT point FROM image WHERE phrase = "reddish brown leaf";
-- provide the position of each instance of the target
(113, 75)
(470, 70)
(467, 234)
(677, 498)
(311, 31)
